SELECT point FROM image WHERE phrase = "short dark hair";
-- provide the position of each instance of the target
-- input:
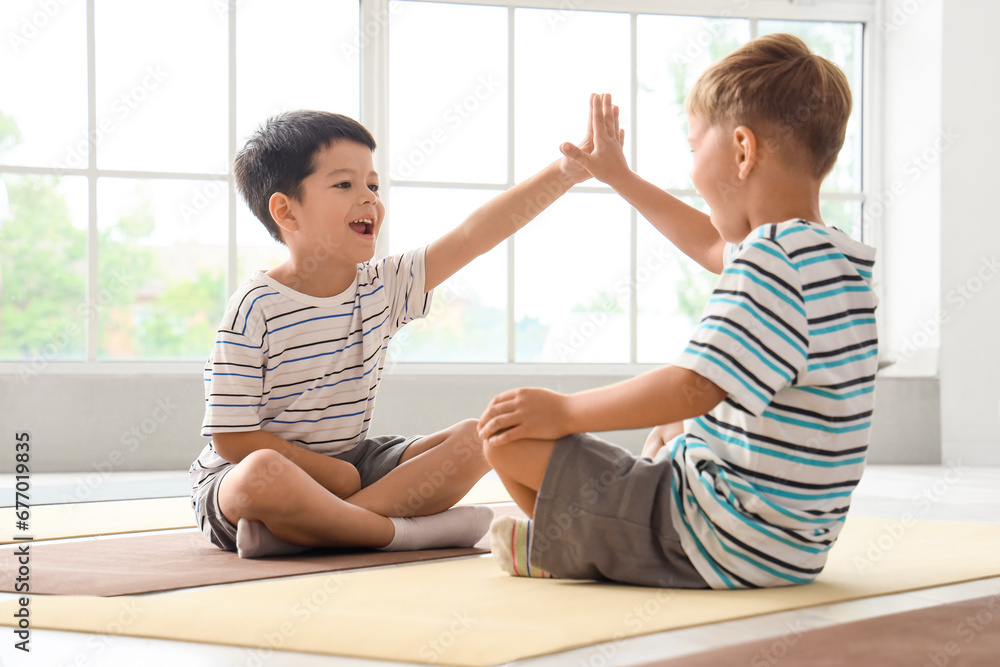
(281, 154)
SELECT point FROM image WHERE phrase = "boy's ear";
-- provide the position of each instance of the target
(282, 213)
(747, 154)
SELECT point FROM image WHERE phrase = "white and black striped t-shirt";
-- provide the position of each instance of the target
(763, 481)
(305, 368)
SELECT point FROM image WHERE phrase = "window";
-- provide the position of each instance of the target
(122, 237)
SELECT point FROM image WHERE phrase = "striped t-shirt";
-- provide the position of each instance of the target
(763, 481)
(305, 368)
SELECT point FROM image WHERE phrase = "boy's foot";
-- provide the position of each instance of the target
(511, 544)
(457, 527)
(255, 540)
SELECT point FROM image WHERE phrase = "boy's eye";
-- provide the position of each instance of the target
(373, 187)
(344, 185)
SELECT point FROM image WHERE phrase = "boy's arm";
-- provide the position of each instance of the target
(501, 217)
(662, 396)
(687, 228)
(338, 477)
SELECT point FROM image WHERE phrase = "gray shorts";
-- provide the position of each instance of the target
(604, 513)
(374, 459)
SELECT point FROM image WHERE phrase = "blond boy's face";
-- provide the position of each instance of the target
(715, 177)
(340, 208)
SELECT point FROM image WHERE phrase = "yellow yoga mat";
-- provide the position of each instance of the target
(466, 612)
(53, 522)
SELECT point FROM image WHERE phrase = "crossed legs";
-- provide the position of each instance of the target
(434, 473)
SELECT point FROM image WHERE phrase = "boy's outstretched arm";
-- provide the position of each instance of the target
(501, 217)
(687, 228)
(662, 396)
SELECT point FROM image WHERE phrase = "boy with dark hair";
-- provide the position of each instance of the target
(291, 382)
(762, 423)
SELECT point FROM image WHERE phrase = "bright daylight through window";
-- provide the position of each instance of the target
(121, 239)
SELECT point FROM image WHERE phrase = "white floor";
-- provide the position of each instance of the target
(949, 492)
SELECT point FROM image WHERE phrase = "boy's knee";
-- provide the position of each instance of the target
(258, 480)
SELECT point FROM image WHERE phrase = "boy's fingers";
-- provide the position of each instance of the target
(573, 152)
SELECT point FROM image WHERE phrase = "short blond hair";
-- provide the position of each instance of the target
(775, 84)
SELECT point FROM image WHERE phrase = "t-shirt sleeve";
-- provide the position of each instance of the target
(403, 279)
(753, 336)
(234, 380)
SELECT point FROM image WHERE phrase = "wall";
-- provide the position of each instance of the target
(970, 233)
(106, 423)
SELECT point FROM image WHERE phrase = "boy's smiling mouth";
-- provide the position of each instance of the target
(363, 227)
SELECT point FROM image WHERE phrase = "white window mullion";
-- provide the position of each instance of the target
(511, 256)
(93, 272)
(374, 31)
(232, 263)
(633, 307)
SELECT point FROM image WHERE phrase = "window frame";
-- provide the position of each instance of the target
(374, 114)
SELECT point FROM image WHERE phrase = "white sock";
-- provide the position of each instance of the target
(457, 527)
(255, 540)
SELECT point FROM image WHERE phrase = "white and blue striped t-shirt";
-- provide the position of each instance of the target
(304, 368)
(763, 481)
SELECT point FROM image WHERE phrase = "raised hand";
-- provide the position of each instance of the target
(601, 154)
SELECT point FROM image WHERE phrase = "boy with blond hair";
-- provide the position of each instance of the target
(291, 383)
(762, 422)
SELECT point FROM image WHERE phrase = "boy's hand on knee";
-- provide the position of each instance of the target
(601, 154)
(522, 414)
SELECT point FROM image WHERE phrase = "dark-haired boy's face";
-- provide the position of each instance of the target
(339, 207)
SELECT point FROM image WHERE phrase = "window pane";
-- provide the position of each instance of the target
(469, 312)
(256, 250)
(844, 215)
(672, 292)
(315, 63)
(557, 68)
(162, 85)
(162, 269)
(43, 99)
(43, 268)
(448, 114)
(673, 52)
(572, 282)
(843, 43)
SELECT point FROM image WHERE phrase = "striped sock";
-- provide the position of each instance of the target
(510, 541)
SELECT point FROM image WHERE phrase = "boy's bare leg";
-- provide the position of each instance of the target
(659, 437)
(269, 488)
(434, 473)
(521, 466)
